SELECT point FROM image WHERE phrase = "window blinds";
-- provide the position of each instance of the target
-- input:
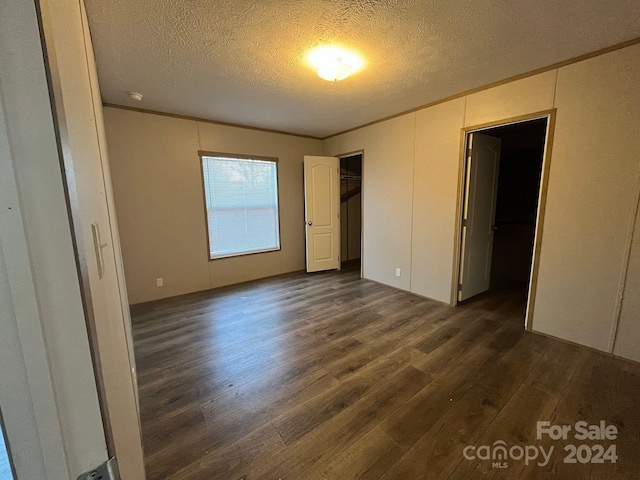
(242, 205)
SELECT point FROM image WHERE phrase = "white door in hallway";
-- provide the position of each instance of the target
(481, 189)
(322, 212)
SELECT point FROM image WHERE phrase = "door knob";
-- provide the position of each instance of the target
(309, 223)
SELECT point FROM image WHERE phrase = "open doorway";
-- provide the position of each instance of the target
(501, 200)
(351, 211)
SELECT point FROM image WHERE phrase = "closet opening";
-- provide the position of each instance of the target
(351, 211)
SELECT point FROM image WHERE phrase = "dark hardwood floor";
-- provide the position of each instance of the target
(328, 376)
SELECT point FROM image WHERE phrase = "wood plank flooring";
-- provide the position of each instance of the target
(328, 376)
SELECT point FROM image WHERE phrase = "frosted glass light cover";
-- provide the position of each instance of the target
(337, 70)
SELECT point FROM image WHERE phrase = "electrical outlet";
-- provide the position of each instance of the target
(159, 282)
(398, 272)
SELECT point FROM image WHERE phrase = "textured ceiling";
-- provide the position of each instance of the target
(243, 61)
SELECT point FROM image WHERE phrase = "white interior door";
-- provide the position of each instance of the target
(322, 212)
(481, 188)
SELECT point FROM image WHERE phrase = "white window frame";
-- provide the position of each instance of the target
(233, 156)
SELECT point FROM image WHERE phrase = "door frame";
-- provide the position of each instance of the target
(340, 157)
(310, 162)
(108, 394)
(550, 116)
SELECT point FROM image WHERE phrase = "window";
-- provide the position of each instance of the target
(241, 197)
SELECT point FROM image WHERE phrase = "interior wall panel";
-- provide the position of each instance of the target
(528, 95)
(388, 190)
(591, 197)
(437, 162)
(156, 178)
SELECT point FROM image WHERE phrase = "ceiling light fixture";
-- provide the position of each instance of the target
(335, 70)
(334, 63)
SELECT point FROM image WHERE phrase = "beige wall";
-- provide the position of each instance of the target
(435, 198)
(411, 166)
(591, 198)
(414, 161)
(387, 172)
(158, 190)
